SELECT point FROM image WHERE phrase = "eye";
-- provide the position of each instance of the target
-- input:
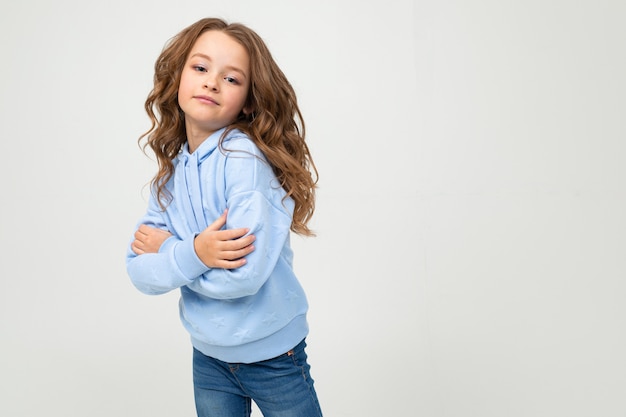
(199, 68)
(231, 80)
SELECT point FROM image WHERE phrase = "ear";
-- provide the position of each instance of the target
(248, 110)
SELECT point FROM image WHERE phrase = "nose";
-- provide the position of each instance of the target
(210, 82)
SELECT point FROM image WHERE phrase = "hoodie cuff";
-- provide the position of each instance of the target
(187, 260)
(168, 244)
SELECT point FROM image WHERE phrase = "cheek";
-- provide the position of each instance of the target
(186, 82)
(237, 103)
(185, 90)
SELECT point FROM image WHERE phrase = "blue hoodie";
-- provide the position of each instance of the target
(252, 313)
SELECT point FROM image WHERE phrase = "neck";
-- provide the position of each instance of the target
(195, 137)
(194, 143)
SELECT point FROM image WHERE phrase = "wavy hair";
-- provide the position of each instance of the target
(275, 123)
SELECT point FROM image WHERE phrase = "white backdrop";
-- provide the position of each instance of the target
(470, 258)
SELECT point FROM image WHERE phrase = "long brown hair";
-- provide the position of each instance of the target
(275, 123)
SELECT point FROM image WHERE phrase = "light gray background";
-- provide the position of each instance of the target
(470, 258)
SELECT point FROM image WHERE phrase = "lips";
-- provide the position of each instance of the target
(205, 99)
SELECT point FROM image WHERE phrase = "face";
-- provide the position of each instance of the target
(214, 85)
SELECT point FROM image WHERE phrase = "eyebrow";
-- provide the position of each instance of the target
(229, 67)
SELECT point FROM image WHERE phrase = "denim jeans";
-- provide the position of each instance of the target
(280, 387)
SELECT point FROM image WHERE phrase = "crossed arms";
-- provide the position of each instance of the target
(216, 248)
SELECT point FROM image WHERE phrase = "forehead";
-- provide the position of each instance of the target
(220, 47)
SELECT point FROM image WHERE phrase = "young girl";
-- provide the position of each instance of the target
(235, 176)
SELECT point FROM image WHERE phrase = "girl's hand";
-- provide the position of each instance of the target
(223, 248)
(149, 239)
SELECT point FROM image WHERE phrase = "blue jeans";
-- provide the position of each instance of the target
(280, 387)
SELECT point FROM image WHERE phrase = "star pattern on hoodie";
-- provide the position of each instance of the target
(242, 334)
(218, 321)
(269, 319)
(291, 296)
(246, 310)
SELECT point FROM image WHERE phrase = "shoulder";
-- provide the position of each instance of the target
(246, 165)
(237, 141)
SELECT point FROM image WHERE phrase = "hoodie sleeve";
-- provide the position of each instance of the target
(174, 266)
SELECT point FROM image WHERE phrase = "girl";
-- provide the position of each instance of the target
(229, 139)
